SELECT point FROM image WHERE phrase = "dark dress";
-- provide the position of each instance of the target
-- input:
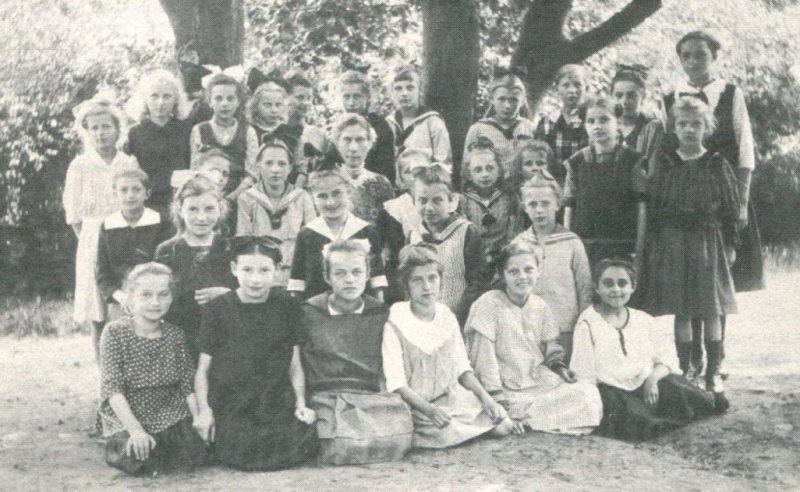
(194, 268)
(250, 390)
(236, 149)
(692, 218)
(160, 150)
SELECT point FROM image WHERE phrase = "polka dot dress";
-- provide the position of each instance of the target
(154, 374)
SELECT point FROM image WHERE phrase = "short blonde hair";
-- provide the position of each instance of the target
(98, 106)
(693, 106)
(197, 185)
(334, 172)
(360, 246)
(150, 268)
(266, 87)
(542, 182)
(137, 104)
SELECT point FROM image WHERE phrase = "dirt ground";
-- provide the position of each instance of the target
(48, 387)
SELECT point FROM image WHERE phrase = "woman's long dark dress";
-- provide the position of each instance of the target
(250, 390)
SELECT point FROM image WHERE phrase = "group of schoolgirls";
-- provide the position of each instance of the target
(338, 299)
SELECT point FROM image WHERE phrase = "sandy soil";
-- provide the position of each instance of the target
(48, 387)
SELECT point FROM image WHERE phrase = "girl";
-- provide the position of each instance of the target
(566, 135)
(197, 255)
(505, 123)
(330, 189)
(513, 345)
(415, 126)
(146, 371)
(341, 353)
(273, 206)
(639, 132)
(565, 280)
(301, 98)
(604, 197)
(355, 92)
(127, 237)
(614, 349)
(160, 139)
(485, 201)
(353, 137)
(733, 139)
(694, 203)
(533, 158)
(399, 217)
(425, 362)
(267, 114)
(250, 383)
(456, 240)
(225, 131)
(89, 198)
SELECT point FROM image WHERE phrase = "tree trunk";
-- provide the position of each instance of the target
(214, 28)
(451, 56)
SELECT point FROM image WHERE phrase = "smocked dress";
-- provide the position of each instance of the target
(250, 391)
(429, 358)
(515, 352)
(155, 375)
(88, 199)
(692, 219)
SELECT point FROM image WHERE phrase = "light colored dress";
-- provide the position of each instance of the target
(513, 350)
(429, 357)
(88, 199)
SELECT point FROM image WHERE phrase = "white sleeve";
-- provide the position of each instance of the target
(743, 131)
(393, 369)
(583, 355)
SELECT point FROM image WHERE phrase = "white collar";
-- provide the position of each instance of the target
(335, 312)
(117, 220)
(352, 226)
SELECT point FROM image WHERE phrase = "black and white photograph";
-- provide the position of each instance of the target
(400, 245)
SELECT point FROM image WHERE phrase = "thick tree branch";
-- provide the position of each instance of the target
(542, 29)
(616, 26)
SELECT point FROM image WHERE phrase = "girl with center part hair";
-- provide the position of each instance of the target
(505, 124)
(639, 131)
(353, 137)
(89, 198)
(250, 383)
(160, 139)
(341, 353)
(146, 372)
(614, 348)
(425, 361)
(513, 345)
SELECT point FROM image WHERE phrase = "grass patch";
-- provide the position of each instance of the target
(23, 317)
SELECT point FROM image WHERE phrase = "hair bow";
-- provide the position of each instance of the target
(256, 78)
(235, 72)
(104, 98)
(481, 143)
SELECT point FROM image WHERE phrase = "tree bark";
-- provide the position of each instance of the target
(451, 56)
(214, 28)
(543, 48)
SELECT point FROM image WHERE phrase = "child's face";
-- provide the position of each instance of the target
(353, 144)
(434, 202)
(483, 170)
(131, 194)
(520, 275)
(255, 274)
(696, 59)
(406, 94)
(533, 161)
(161, 100)
(274, 166)
(353, 98)
(218, 170)
(601, 125)
(200, 213)
(690, 129)
(224, 101)
(300, 101)
(102, 130)
(331, 197)
(406, 168)
(150, 297)
(628, 96)
(271, 107)
(541, 205)
(424, 285)
(347, 274)
(506, 103)
(614, 287)
(570, 90)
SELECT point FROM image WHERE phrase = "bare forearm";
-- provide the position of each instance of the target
(201, 383)
(743, 175)
(641, 227)
(298, 378)
(122, 410)
(413, 399)
(470, 382)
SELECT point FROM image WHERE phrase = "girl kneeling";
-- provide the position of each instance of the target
(514, 346)
(146, 370)
(250, 384)
(425, 361)
(613, 347)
